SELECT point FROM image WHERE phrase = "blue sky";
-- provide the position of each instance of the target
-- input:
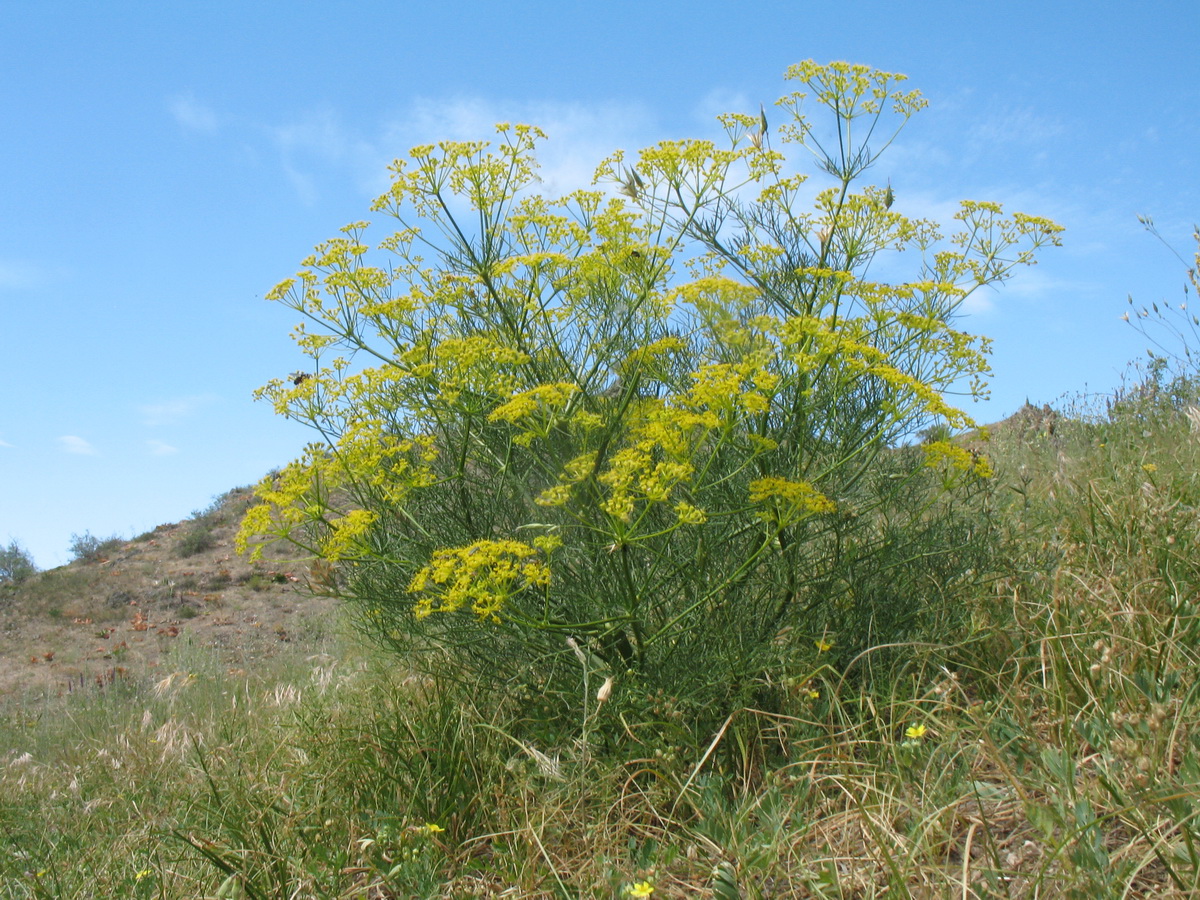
(163, 165)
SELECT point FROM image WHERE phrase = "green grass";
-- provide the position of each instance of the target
(1051, 751)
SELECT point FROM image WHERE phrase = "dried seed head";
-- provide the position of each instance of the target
(605, 690)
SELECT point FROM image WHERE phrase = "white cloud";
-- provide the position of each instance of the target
(172, 410)
(161, 448)
(74, 444)
(964, 136)
(4, 443)
(192, 115)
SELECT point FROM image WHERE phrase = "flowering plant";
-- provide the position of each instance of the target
(657, 420)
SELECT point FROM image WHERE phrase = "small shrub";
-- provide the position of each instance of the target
(16, 565)
(195, 540)
(224, 508)
(120, 599)
(87, 547)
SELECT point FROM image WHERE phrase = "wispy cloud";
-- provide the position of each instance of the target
(722, 100)
(304, 184)
(319, 132)
(192, 115)
(173, 410)
(319, 145)
(579, 135)
(74, 444)
(1008, 125)
(4, 443)
(314, 142)
(161, 448)
(19, 276)
(967, 135)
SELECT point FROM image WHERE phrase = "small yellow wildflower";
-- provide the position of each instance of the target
(823, 645)
(143, 875)
(1149, 468)
(641, 889)
(431, 828)
(690, 515)
(915, 732)
(547, 543)
(558, 495)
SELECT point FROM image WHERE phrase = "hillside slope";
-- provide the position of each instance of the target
(132, 611)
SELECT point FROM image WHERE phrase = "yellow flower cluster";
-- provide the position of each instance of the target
(345, 533)
(366, 456)
(728, 389)
(791, 501)
(540, 408)
(573, 472)
(851, 342)
(714, 293)
(853, 89)
(465, 168)
(482, 575)
(690, 515)
(255, 524)
(285, 503)
(634, 474)
(958, 458)
(478, 363)
(555, 495)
